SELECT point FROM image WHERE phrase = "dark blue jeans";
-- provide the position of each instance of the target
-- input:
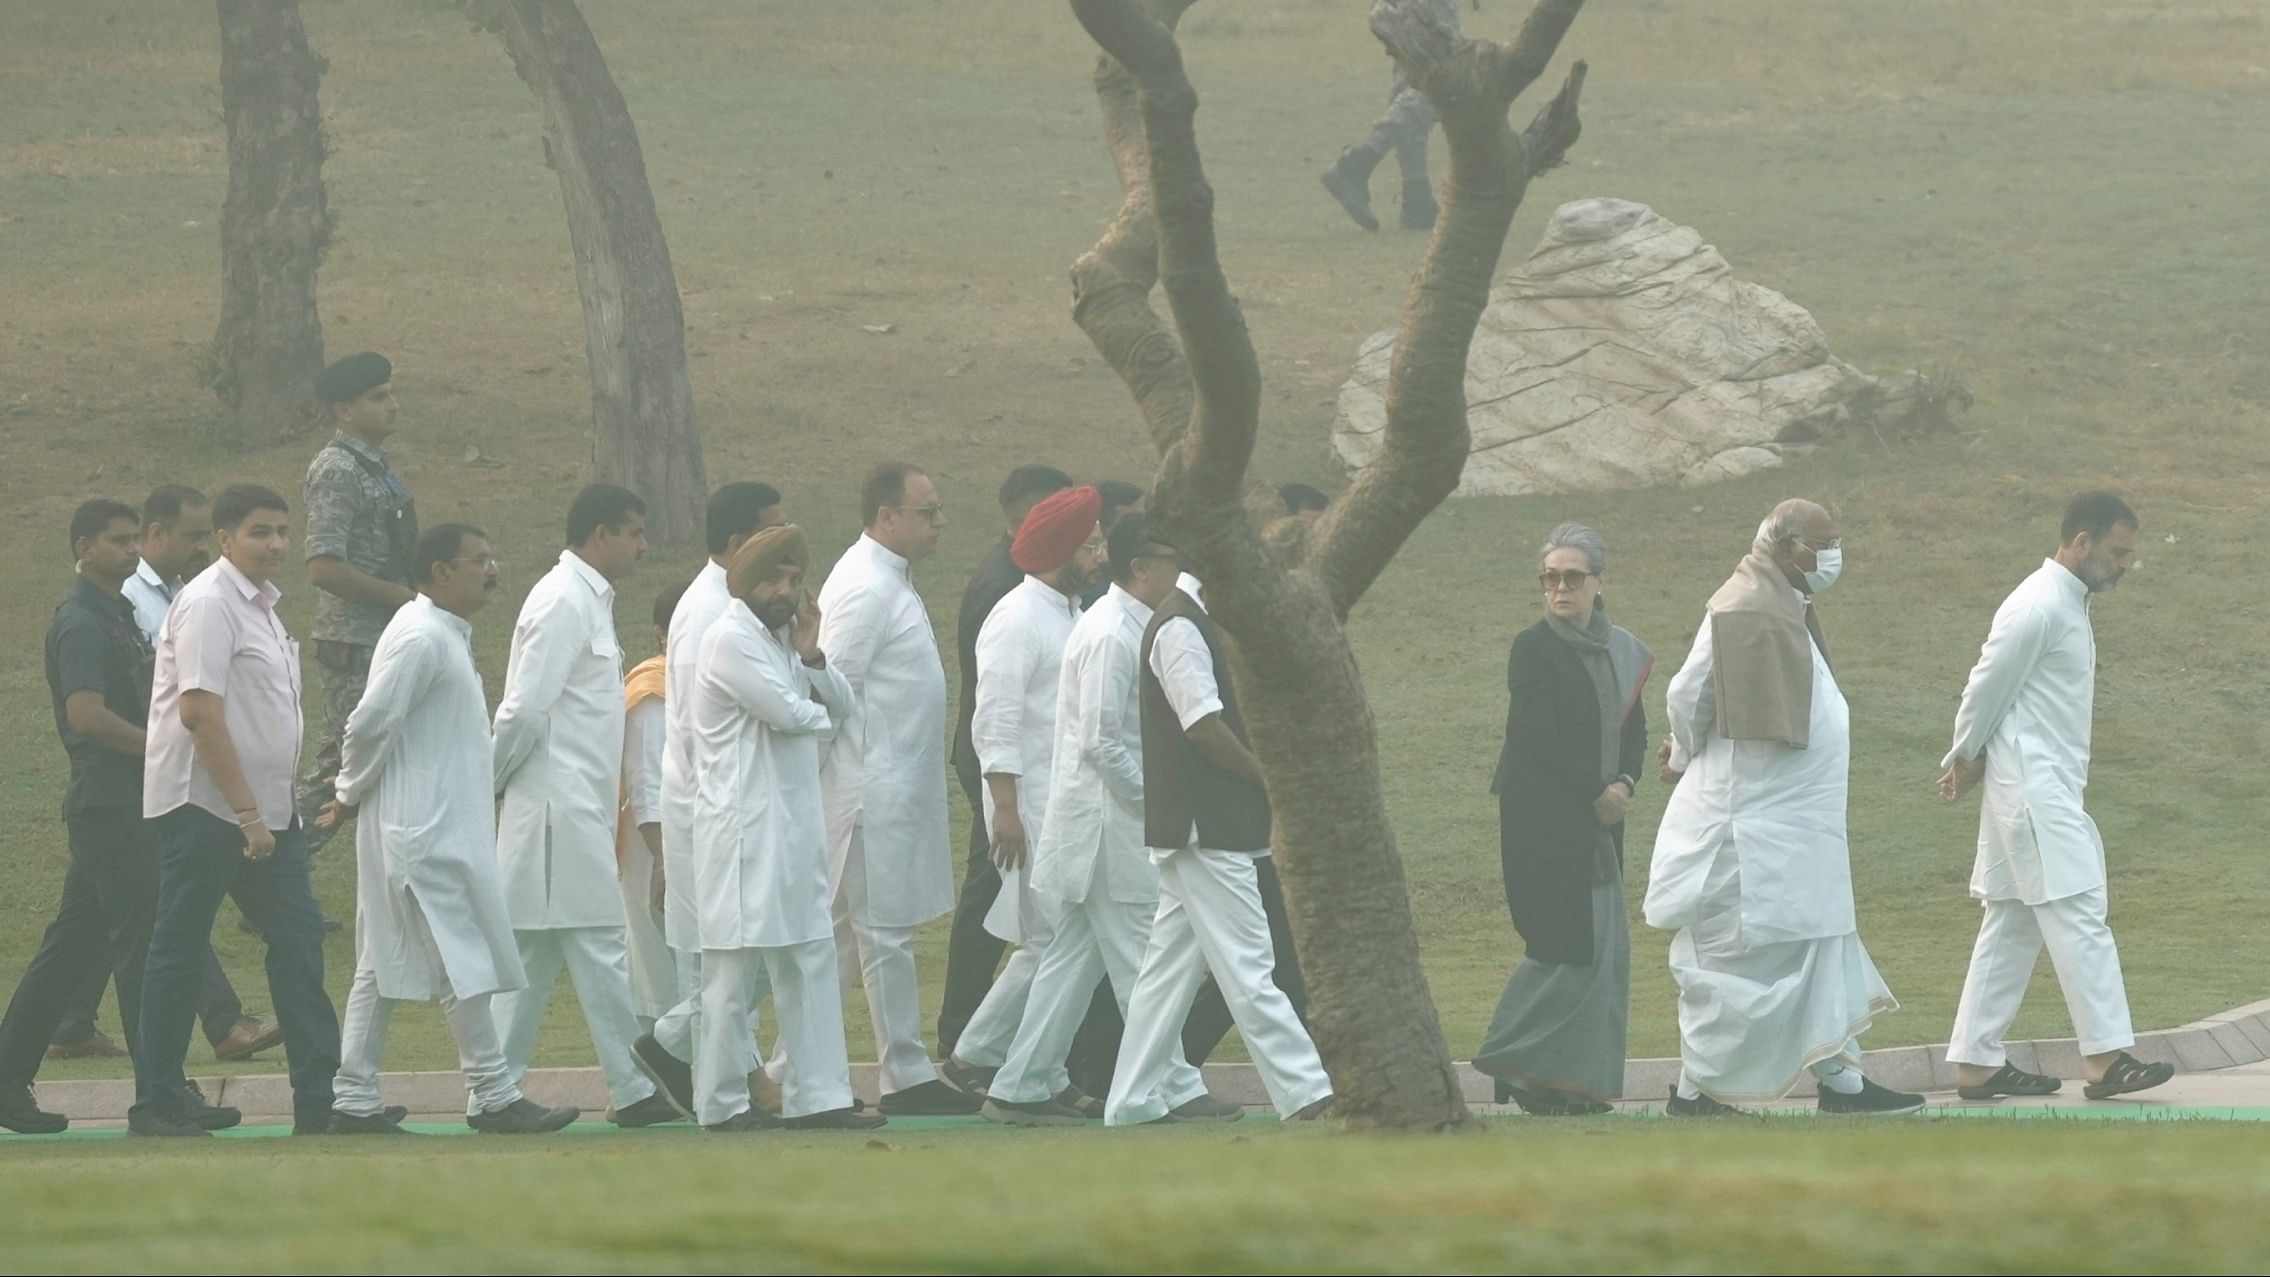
(200, 860)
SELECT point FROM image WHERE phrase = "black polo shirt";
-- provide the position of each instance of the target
(93, 645)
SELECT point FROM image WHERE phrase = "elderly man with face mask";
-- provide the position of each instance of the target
(764, 699)
(1751, 866)
(2040, 876)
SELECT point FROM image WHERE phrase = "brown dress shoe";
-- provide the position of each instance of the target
(248, 1037)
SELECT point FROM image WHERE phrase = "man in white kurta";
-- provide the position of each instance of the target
(1205, 824)
(638, 833)
(736, 512)
(765, 699)
(1751, 865)
(1020, 652)
(430, 918)
(884, 778)
(1089, 857)
(2040, 873)
(557, 761)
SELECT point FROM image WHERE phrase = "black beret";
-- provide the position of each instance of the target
(352, 376)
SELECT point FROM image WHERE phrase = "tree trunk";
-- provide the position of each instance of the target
(275, 223)
(1281, 596)
(634, 328)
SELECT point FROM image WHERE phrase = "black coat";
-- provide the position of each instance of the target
(1548, 776)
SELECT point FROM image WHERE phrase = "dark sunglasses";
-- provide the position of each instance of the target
(1565, 578)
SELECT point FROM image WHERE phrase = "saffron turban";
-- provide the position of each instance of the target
(759, 556)
(1056, 529)
(350, 377)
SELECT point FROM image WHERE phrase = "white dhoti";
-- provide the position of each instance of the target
(598, 964)
(1096, 938)
(1753, 1019)
(1210, 918)
(489, 1080)
(814, 1068)
(2011, 937)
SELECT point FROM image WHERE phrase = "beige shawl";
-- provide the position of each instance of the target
(1762, 656)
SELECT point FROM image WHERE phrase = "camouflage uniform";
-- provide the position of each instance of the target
(357, 512)
(1402, 129)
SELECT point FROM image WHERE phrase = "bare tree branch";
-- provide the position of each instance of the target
(1424, 445)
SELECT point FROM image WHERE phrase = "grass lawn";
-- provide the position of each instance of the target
(1608, 1195)
(2050, 198)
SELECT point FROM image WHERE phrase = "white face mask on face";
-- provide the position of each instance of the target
(1830, 567)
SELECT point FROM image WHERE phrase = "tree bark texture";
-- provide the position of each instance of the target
(634, 326)
(275, 223)
(1283, 600)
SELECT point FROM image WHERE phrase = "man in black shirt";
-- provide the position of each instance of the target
(973, 952)
(98, 674)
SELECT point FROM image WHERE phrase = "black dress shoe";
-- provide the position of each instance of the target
(843, 1119)
(211, 1117)
(163, 1125)
(361, 1124)
(744, 1122)
(1209, 1108)
(523, 1117)
(1870, 1100)
(1700, 1106)
(19, 1114)
(931, 1099)
(654, 1110)
(673, 1078)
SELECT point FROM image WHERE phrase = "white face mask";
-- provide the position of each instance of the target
(1831, 566)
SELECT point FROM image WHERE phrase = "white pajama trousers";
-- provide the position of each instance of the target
(1210, 918)
(2011, 937)
(883, 957)
(678, 1030)
(654, 964)
(810, 1061)
(1097, 938)
(598, 963)
(489, 1081)
(992, 1028)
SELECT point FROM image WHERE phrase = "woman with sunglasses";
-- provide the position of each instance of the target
(1575, 738)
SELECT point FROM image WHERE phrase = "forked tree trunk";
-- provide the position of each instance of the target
(275, 223)
(634, 327)
(1282, 597)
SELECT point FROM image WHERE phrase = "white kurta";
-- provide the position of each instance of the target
(430, 916)
(1020, 656)
(1752, 869)
(559, 753)
(1092, 835)
(1779, 810)
(705, 600)
(884, 779)
(2028, 705)
(760, 839)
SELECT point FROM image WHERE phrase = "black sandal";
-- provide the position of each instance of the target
(2010, 1080)
(2126, 1073)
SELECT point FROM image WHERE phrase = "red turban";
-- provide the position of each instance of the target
(1056, 529)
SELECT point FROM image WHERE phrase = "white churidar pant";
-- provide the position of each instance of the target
(1210, 917)
(598, 964)
(362, 1046)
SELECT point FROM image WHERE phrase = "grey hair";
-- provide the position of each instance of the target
(1576, 536)
(1784, 525)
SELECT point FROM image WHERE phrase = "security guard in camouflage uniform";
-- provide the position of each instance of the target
(1403, 129)
(362, 529)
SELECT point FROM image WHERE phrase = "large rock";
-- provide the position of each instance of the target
(1624, 354)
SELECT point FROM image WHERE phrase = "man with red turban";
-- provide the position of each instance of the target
(1020, 651)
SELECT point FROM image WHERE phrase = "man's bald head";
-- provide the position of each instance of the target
(1794, 535)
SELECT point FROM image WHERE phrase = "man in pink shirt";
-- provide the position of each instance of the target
(224, 742)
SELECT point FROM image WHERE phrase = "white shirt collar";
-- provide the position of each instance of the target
(1064, 602)
(149, 576)
(462, 627)
(591, 576)
(1129, 604)
(886, 555)
(2069, 580)
(1189, 585)
(268, 591)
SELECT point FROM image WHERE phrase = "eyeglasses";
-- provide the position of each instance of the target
(484, 561)
(1563, 579)
(1833, 543)
(935, 511)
